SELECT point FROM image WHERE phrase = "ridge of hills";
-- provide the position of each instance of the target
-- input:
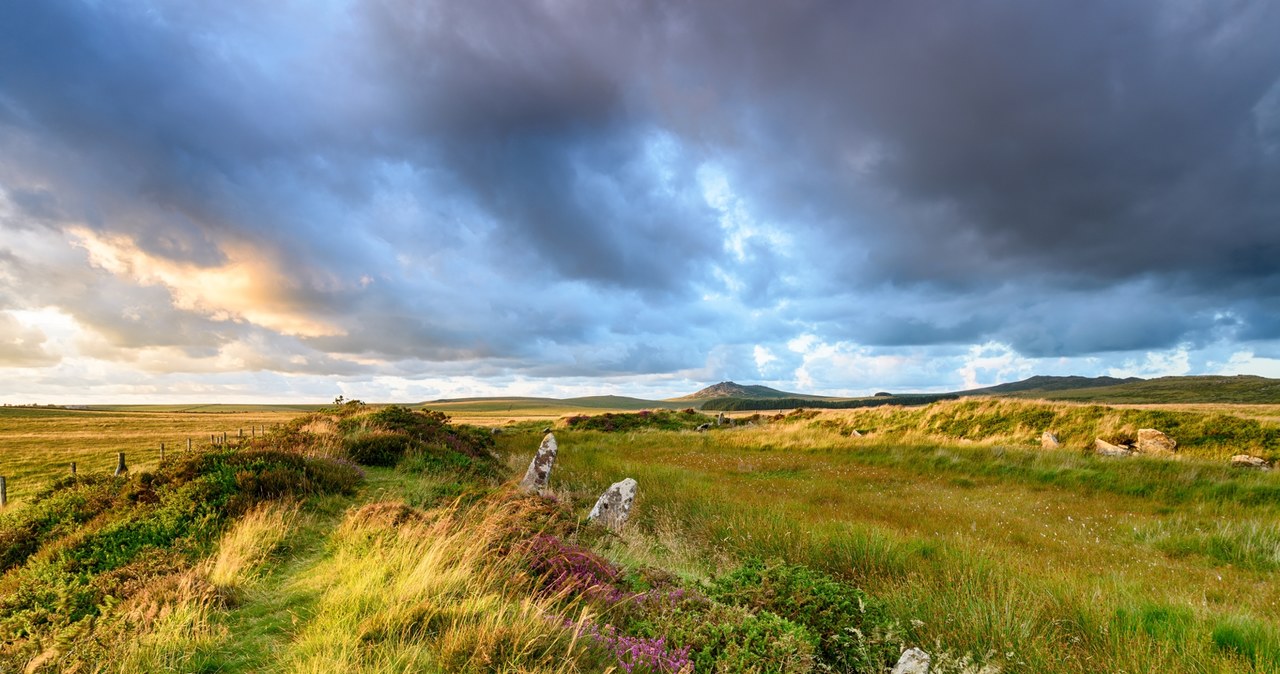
(1238, 389)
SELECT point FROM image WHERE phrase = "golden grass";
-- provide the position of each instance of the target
(428, 594)
(39, 444)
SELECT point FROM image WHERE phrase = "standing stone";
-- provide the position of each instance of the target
(535, 479)
(121, 468)
(1049, 440)
(614, 505)
(913, 661)
(720, 419)
(1105, 448)
(1151, 441)
(1246, 461)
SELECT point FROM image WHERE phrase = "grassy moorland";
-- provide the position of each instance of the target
(37, 444)
(1015, 557)
(390, 540)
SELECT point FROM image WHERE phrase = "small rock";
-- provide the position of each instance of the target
(495, 431)
(1105, 448)
(1049, 440)
(1246, 461)
(614, 505)
(1151, 441)
(535, 479)
(855, 433)
(703, 427)
(546, 430)
(913, 661)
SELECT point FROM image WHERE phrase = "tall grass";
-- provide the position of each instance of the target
(177, 624)
(1017, 558)
(399, 592)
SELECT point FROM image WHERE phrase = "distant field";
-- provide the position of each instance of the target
(207, 409)
(497, 411)
(39, 443)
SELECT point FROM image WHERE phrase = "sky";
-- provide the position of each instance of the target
(244, 201)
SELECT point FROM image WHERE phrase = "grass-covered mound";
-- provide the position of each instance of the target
(415, 440)
(85, 542)
(1201, 434)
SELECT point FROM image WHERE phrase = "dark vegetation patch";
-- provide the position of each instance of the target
(658, 420)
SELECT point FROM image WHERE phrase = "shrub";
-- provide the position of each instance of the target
(842, 618)
(664, 420)
(378, 448)
(723, 638)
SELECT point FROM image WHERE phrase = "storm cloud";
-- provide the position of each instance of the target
(586, 195)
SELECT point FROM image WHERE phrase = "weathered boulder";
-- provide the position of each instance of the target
(720, 420)
(1246, 461)
(614, 505)
(913, 661)
(1151, 441)
(1105, 448)
(535, 479)
(1049, 440)
(855, 433)
(703, 427)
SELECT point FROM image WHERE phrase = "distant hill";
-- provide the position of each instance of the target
(1045, 383)
(728, 389)
(1240, 389)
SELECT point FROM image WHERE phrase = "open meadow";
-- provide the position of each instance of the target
(38, 443)
(969, 541)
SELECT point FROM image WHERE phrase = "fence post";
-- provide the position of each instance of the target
(239, 432)
(4, 492)
(162, 452)
(120, 467)
(73, 467)
(188, 444)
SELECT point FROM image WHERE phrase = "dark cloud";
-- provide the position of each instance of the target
(599, 188)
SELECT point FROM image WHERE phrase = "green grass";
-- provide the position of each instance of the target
(1028, 560)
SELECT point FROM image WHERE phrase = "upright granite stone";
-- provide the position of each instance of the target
(535, 479)
(913, 661)
(614, 505)
(1049, 440)
(720, 419)
(1155, 443)
(1105, 448)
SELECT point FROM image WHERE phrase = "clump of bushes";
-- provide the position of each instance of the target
(659, 420)
(417, 441)
(843, 619)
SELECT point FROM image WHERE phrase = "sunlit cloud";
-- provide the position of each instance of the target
(246, 286)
